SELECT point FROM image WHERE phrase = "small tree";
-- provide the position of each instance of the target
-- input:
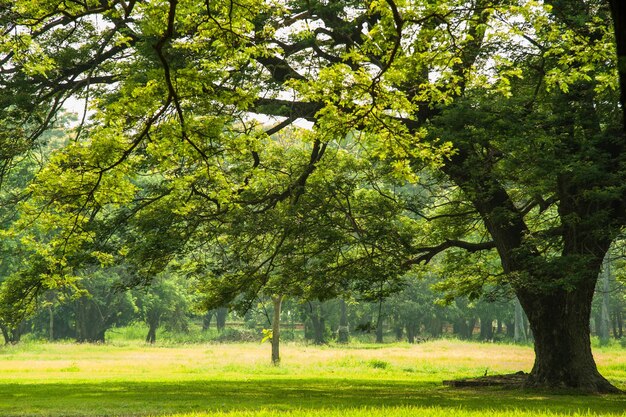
(165, 300)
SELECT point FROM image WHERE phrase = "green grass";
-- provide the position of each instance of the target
(131, 379)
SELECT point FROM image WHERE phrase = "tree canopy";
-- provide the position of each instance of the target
(489, 129)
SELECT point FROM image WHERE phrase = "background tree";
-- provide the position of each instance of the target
(165, 301)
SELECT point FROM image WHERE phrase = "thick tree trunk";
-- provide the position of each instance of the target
(560, 325)
(277, 301)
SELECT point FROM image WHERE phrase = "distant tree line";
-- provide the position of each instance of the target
(414, 314)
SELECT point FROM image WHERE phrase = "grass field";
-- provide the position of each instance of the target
(126, 379)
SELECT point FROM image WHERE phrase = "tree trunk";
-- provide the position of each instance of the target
(220, 318)
(317, 321)
(11, 335)
(379, 323)
(486, 328)
(410, 334)
(90, 325)
(470, 328)
(620, 324)
(411, 331)
(519, 335)
(605, 320)
(151, 337)
(434, 326)
(560, 325)
(206, 320)
(50, 323)
(399, 329)
(277, 301)
(343, 333)
(153, 325)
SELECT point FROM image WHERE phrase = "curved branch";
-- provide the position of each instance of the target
(430, 252)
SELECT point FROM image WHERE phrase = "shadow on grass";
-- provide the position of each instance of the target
(162, 398)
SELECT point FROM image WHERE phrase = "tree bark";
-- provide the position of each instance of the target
(560, 325)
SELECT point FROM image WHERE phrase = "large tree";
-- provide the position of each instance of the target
(513, 102)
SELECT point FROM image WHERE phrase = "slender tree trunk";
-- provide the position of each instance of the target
(519, 335)
(50, 323)
(277, 301)
(605, 320)
(153, 325)
(5, 334)
(379, 323)
(343, 333)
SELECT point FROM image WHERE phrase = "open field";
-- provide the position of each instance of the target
(237, 380)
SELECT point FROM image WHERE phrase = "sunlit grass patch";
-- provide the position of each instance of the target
(392, 412)
(134, 379)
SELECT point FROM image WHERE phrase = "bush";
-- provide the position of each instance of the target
(378, 364)
(238, 335)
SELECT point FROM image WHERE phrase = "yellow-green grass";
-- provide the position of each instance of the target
(237, 380)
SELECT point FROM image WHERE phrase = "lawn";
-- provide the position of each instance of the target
(131, 379)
